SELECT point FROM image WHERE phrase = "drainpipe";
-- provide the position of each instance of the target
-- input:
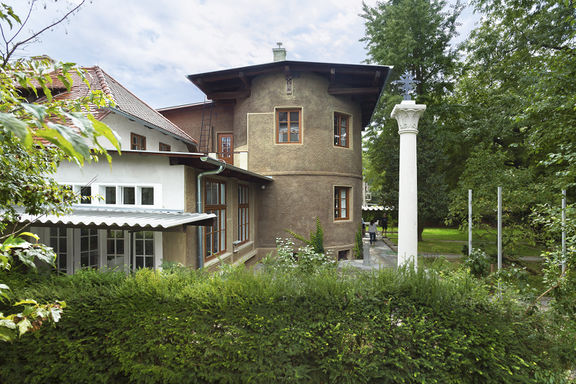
(199, 209)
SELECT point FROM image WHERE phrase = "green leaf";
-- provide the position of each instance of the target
(24, 326)
(26, 301)
(17, 127)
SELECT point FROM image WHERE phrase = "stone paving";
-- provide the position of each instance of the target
(380, 255)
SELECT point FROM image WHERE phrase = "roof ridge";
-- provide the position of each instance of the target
(103, 83)
(180, 130)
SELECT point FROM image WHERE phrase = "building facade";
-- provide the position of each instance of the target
(299, 123)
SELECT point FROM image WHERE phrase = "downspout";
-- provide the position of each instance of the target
(199, 209)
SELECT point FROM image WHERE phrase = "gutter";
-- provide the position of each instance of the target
(222, 166)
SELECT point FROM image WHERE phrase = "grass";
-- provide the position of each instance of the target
(450, 241)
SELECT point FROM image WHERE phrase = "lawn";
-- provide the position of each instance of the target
(450, 241)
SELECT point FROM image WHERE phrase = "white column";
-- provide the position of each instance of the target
(407, 114)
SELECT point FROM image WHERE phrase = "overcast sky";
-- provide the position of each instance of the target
(150, 46)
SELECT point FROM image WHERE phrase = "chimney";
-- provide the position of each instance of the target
(279, 53)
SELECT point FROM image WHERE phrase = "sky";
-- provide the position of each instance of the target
(149, 46)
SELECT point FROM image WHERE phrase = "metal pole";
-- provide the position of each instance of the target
(499, 228)
(469, 222)
(563, 230)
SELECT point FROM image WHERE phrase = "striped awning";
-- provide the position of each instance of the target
(120, 218)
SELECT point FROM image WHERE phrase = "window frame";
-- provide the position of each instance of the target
(218, 230)
(138, 146)
(337, 118)
(277, 125)
(163, 147)
(243, 213)
(337, 203)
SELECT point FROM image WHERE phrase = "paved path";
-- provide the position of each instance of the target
(380, 255)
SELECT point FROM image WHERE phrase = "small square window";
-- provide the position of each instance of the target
(137, 142)
(164, 147)
(288, 126)
(110, 195)
(147, 196)
(128, 195)
(86, 195)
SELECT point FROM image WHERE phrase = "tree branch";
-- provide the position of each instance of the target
(36, 34)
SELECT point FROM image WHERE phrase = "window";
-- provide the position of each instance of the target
(88, 248)
(147, 195)
(341, 203)
(137, 142)
(288, 124)
(215, 202)
(164, 147)
(59, 242)
(243, 213)
(114, 248)
(341, 124)
(110, 195)
(86, 195)
(129, 195)
(144, 249)
(343, 255)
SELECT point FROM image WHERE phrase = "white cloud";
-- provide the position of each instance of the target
(149, 46)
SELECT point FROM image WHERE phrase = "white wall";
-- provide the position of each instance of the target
(123, 126)
(129, 169)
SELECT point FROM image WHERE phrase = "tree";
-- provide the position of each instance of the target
(37, 131)
(516, 100)
(414, 36)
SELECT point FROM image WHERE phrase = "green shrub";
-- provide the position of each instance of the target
(325, 327)
(359, 244)
(478, 263)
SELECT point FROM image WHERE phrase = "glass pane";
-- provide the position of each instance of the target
(149, 262)
(294, 117)
(139, 262)
(129, 195)
(139, 247)
(222, 220)
(149, 247)
(110, 247)
(83, 243)
(139, 235)
(85, 193)
(282, 116)
(84, 261)
(222, 193)
(110, 195)
(62, 262)
(53, 231)
(147, 196)
(62, 245)
(120, 246)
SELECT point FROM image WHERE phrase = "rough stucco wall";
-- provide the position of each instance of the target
(304, 174)
(174, 247)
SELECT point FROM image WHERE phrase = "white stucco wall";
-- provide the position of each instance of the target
(130, 169)
(123, 126)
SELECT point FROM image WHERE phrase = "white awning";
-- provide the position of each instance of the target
(124, 218)
(376, 208)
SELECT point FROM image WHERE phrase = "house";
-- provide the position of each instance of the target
(278, 146)
(299, 123)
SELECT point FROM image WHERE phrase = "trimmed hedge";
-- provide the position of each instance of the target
(243, 327)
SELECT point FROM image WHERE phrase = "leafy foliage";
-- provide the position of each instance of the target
(414, 36)
(477, 262)
(239, 326)
(316, 240)
(306, 259)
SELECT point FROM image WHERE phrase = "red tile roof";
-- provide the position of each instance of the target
(126, 103)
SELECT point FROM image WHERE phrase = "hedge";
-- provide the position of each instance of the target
(246, 327)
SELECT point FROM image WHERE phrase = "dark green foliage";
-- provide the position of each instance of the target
(478, 262)
(238, 327)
